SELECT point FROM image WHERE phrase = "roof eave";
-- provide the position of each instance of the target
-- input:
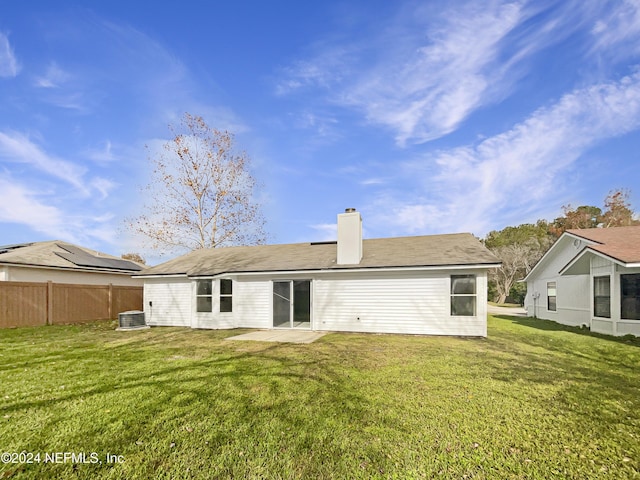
(160, 275)
(597, 253)
(473, 266)
(74, 269)
(552, 249)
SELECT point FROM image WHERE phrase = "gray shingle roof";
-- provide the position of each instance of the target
(58, 254)
(421, 251)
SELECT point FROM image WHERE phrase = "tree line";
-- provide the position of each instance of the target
(520, 247)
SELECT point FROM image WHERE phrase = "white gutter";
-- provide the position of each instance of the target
(348, 270)
(171, 275)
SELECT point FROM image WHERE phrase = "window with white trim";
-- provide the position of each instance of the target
(226, 295)
(551, 296)
(463, 295)
(602, 296)
(204, 296)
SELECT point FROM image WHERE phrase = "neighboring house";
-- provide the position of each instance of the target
(62, 262)
(589, 277)
(419, 285)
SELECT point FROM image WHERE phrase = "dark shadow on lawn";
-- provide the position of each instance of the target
(551, 326)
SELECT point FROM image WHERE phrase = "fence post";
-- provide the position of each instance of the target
(49, 303)
(110, 301)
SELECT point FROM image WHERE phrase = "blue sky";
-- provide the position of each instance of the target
(427, 116)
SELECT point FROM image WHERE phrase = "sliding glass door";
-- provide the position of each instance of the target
(282, 304)
(292, 304)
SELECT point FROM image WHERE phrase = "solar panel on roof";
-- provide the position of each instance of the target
(81, 258)
(8, 248)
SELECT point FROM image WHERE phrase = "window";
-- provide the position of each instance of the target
(602, 297)
(551, 296)
(226, 290)
(630, 296)
(204, 296)
(463, 295)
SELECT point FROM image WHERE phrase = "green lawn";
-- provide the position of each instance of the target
(533, 400)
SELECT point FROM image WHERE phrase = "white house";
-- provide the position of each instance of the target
(420, 285)
(589, 277)
(62, 262)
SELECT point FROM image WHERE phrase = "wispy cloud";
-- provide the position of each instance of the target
(22, 206)
(103, 186)
(427, 70)
(16, 147)
(327, 68)
(617, 30)
(9, 65)
(423, 73)
(425, 89)
(325, 231)
(372, 181)
(103, 154)
(54, 77)
(513, 171)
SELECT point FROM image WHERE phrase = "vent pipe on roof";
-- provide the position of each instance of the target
(349, 237)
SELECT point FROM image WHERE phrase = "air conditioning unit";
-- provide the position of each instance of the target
(132, 320)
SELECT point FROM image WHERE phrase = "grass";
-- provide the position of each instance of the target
(533, 400)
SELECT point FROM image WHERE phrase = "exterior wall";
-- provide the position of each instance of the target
(411, 302)
(32, 274)
(615, 325)
(251, 301)
(252, 304)
(600, 267)
(622, 326)
(171, 300)
(572, 305)
(382, 302)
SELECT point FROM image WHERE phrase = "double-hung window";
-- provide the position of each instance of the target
(463, 295)
(226, 292)
(204, 296)
(602, 296)
(551, 296)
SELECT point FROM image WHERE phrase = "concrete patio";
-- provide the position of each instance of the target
(285, 336)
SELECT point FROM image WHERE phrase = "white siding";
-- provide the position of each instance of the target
(400, 302)
(601, 266)
(252, 302)
(29, 274)
(415, 303)
(172, 301)
(622, 326)
(572, 291)
(251, 307)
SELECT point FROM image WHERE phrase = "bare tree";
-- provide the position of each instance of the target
(618, 211)
(201, 193)
(517, 261)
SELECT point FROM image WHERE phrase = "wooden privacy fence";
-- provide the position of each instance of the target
(24, 304)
